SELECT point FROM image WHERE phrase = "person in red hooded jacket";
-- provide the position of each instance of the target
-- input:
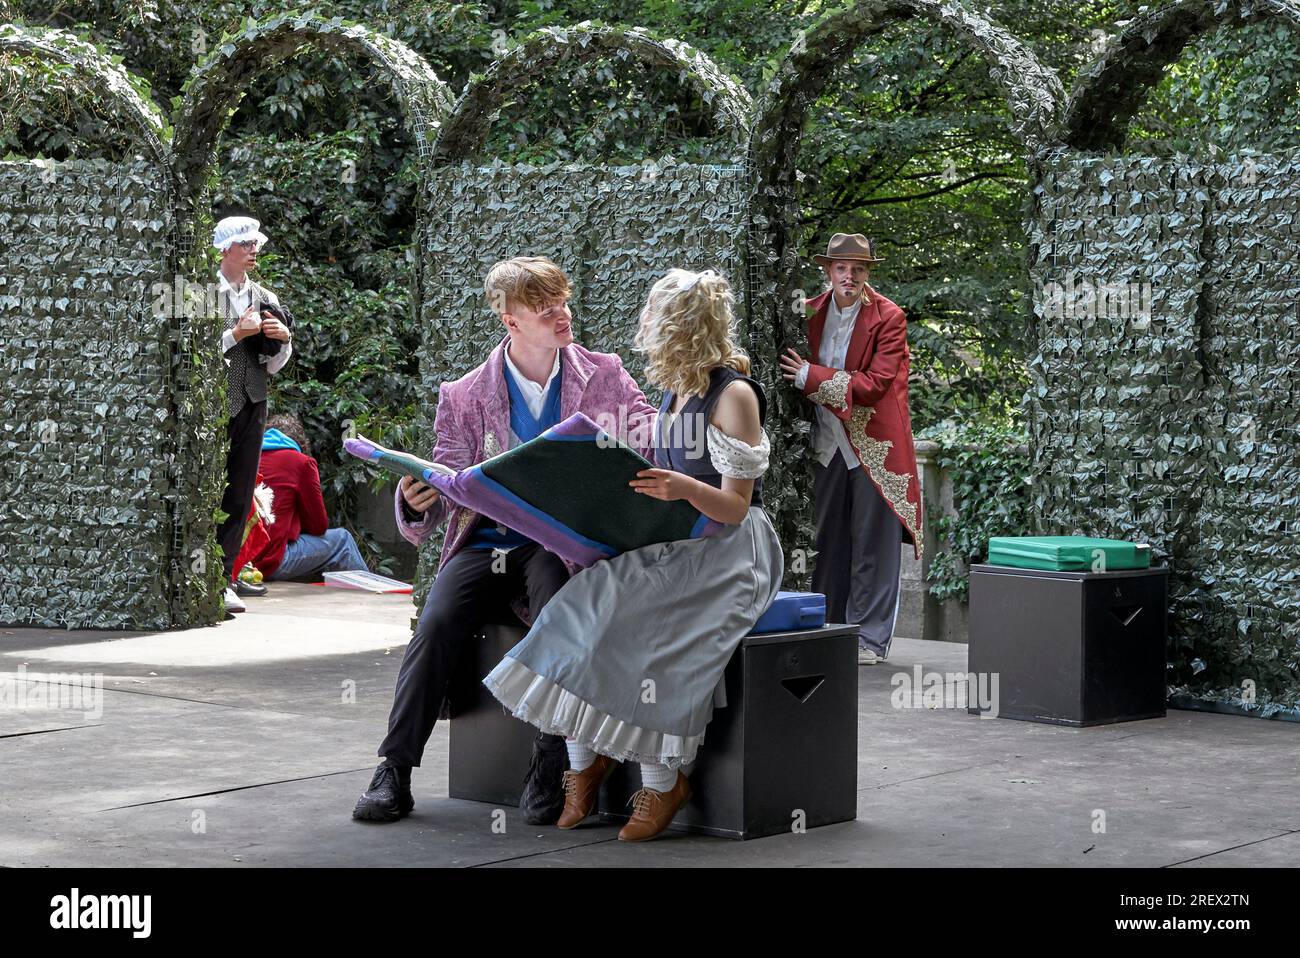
(866, 488)
(302, 544)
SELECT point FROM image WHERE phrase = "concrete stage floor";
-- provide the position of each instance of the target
(237, 746)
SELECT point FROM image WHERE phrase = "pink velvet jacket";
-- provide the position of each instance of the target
(472, 424)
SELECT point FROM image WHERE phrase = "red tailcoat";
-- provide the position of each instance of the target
(869, 397)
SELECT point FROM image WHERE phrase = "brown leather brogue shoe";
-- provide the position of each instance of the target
(581, 790)
(653, 811)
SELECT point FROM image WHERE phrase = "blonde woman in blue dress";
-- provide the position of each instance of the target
(625, 660)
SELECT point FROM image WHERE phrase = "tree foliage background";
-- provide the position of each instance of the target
(908, 145)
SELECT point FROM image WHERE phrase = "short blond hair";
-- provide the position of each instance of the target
(534, 281)
(688, 328)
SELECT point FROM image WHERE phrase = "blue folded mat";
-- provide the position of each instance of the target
(791, 611)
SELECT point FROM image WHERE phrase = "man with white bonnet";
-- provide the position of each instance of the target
(251, 360)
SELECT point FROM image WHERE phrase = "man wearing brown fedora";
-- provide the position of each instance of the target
(866, 488)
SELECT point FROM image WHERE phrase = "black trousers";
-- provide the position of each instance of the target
(245, 431)
(466, 594)
(859, 552)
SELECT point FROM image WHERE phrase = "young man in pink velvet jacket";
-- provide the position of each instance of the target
(547, 377)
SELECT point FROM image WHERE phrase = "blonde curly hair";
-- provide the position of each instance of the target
(688, 328)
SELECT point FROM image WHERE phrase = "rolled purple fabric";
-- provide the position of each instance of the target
(398, 463)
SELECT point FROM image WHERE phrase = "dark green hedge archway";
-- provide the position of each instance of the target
(92, 533)
(466, 129)
(218, 83)
(1033, 94)
(556, 190)
(210, 97)
(1174, 423)
(1110, 90)
(125, 96)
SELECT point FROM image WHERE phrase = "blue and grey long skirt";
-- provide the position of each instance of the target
(627, 656)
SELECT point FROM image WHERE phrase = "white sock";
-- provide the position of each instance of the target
(658, 777)
(580, 756)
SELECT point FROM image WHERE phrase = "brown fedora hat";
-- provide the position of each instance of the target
(852, 246)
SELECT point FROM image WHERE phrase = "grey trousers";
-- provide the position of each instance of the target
(859, 552)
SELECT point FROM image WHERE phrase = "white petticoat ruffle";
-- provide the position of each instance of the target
(539, 701)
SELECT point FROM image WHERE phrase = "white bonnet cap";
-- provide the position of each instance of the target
(236, 229)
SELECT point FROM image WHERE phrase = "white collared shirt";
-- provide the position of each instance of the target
(534, 394)
(240, 300)
(832, 352)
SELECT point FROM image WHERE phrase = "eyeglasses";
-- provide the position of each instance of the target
(250, 245)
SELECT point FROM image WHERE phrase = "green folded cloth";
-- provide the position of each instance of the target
(1068, 553)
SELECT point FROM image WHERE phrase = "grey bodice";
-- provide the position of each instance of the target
(683, 445)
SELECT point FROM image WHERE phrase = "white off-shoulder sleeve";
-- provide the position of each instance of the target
(736, 458)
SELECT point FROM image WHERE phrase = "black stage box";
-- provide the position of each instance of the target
(781, 754)
(489, 749)
(1070, 648)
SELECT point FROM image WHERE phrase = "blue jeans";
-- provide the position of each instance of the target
(335, 551)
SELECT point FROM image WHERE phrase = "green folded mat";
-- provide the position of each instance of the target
(1068, 553)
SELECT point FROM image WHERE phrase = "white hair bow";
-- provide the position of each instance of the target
(690, 283)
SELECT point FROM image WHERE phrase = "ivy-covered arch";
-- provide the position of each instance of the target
(125, 95)
(1033, 91)
(472, 213)
(91, 532)
(1033, 94)
(1110, 90)
(209, 98)
(613, 229)
(465, 132)
(218, 83)
(1160, 402)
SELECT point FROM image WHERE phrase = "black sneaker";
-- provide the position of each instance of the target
(389, 796)
(543, 797)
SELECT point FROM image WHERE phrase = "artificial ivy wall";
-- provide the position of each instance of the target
(112, 441)
(1167, 300)
(89, 432)
(1166, 309)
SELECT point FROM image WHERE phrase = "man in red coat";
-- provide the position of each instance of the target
(866, 488)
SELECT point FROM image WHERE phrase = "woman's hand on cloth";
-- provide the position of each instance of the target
(664, 484)
(727, 505)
